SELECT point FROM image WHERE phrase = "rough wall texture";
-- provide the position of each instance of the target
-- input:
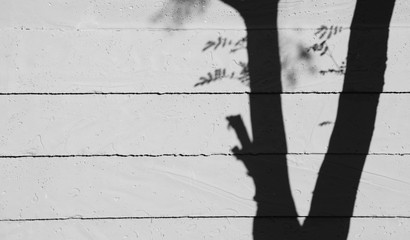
(114, 126)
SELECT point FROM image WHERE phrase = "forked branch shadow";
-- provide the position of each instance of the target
(339, 176)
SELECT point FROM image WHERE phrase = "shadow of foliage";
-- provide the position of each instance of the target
(232, 46)
(176, 12)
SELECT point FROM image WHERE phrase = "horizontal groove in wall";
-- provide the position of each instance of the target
(27, 28)
(193, 93)
(191, 217)
(191, 155)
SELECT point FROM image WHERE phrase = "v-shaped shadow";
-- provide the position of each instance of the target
(265, 156)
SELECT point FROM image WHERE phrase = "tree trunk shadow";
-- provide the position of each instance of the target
(339, 176)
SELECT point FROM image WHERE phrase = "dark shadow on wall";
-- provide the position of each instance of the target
(339, 176)
(269, 173)
(265, 155)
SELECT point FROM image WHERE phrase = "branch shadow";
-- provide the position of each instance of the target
(335, 191)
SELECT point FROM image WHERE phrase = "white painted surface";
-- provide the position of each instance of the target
(115, 46)
(378, 229)
(134, 60)
(177, 186)
(187, 124)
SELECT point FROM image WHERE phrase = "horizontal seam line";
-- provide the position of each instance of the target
(68, 28)
(190, 217)
(192, 155)
(199, 93)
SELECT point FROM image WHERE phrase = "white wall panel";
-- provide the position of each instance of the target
(35, 188)
(184, 229)
(187, 124)
(140, 14)
(156, 61)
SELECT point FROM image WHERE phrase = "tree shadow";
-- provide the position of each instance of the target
(265, 156)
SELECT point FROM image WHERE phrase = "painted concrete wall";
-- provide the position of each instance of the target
(105, 132)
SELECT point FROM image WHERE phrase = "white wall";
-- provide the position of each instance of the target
(168, 155)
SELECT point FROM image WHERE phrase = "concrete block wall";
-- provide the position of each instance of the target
(106, 134)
